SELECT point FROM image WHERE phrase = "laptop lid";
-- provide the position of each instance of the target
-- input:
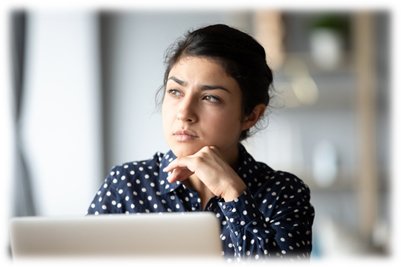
(136, 235)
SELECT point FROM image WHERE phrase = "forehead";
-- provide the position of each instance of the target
(202, 72)
(199, 66)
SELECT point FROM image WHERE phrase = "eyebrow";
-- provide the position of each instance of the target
(203, 87)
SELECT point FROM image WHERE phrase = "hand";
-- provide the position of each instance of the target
(207, 164)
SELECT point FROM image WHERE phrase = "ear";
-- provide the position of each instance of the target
(251, 119)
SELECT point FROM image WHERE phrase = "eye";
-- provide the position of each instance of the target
(174, 92)
(212, 99)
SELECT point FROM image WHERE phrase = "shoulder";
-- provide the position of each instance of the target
(258, 175)
(289, 180)
(264, 181)
(291, 187)
(281, 180)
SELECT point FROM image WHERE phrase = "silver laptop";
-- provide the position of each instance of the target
(140, 235)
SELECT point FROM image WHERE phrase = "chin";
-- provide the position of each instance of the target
(183, 150)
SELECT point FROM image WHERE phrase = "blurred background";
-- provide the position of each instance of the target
(83, 99)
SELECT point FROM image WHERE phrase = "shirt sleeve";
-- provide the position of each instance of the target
(107, 200)
(272, 224)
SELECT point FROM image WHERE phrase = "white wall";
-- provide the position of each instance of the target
(61, 124)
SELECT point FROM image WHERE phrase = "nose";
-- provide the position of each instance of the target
(186, 111)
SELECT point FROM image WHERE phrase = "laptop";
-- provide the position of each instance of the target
(191, 234)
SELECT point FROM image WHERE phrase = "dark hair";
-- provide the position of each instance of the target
(241, 56)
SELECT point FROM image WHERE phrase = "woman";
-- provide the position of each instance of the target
(216, 87)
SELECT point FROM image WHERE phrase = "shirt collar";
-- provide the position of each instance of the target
(165, 186)
(246, 163)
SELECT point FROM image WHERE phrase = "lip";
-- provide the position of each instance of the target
(185, 135)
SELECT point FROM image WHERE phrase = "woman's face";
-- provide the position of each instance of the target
(201, 107)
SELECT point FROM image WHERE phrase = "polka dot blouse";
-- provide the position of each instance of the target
(272, 218)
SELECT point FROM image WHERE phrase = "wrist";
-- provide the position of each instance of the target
(233, 191)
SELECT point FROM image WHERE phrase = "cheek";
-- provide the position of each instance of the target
(166, 116)
(224, 125)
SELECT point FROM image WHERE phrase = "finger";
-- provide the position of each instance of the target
(179, 174)
(171, 166)
(177, 163)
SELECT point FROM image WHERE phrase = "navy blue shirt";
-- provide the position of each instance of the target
(273, 216)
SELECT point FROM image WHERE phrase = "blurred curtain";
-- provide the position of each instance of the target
(23, 204)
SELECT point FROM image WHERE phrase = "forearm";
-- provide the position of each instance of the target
(253, 234)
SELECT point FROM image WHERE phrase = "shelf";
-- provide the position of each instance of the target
(324, 89)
